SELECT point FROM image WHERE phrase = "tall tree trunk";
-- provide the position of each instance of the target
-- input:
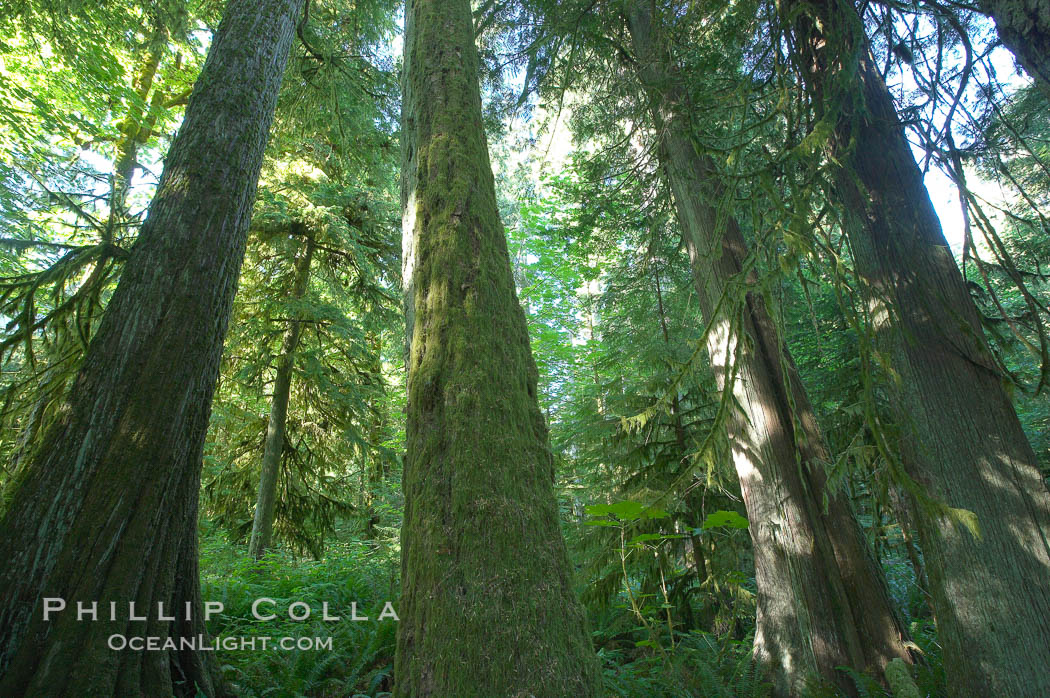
(822, 600)
(374, 460)
(108, 511)
(273, 446)
(487, 604)
(962, 442)
(128, 142)
(1024, 28)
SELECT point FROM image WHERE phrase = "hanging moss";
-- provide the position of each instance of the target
(964, 456)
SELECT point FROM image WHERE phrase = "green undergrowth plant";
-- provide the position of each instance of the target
(698, 664)
(359, 660)
(929, 673)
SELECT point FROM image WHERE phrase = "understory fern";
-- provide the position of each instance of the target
(360, 660)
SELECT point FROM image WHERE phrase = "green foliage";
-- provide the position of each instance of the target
(613, 321)
(88, 93)
(332, 182)
(700, 664)
(725, 519)
(649, 501)
(361, 661)
(626, 511)
(930, 676)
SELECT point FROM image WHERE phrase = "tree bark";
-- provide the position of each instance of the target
(273, 445)
(374, 462)
(128, 143)
(1024, 28)
(487, 601)
(962, 443)
(822, 600)
(108, 511)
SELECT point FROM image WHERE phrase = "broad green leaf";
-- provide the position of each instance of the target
(644, 537)
(725, 519)
(626, 511)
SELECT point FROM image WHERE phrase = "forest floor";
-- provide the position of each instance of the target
(359, 660)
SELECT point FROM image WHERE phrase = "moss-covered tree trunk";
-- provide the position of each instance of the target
(962, 442)
(108, 511)
(1024, 28)
(276, 426)
(487, 602)
(130, 129)
(822, 599)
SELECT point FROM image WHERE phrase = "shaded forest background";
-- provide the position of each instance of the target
(650, 503)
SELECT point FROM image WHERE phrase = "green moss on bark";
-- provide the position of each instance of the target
(108, 510)
(487, 602)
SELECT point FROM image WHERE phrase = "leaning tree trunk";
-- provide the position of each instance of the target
(108, 512)
(487, 601)
(129, 141)
(822, 599)
(273, 445)
(1024, 28)
(962, 443)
